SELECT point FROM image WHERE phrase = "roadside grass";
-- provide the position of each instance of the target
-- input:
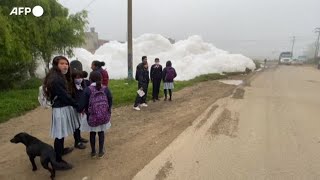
(23, 97)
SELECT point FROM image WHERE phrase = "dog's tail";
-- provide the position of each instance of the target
(60, 166)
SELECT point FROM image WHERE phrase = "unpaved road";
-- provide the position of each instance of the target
(272, 133)
(134, 139)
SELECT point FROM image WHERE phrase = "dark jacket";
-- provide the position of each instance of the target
(143, 78)
(138, 69)
(86, 82)
(79, 92)
(59, 94)
(164, 73)
(84, 101)
(156, 72)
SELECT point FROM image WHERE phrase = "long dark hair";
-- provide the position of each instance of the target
(98, 64)
(75, 74)
(55, 72)
(95, 76)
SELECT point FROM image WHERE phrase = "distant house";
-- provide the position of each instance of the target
(92, 41)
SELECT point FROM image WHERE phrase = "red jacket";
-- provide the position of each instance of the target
(105, 76)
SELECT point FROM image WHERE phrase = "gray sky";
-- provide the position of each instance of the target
(255, 28)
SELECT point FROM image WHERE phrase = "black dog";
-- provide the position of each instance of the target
(35, 147)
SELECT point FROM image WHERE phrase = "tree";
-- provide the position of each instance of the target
(15, 56)
(24, 39)
(60, 32)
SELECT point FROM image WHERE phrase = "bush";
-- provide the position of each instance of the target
(32, 83)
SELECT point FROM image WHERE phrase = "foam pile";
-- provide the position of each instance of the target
(191, 57)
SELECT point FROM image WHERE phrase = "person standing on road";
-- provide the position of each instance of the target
(156, 76)
(96, 103)
(79, 86)
(140, 66)
(97, 66)
(58, 89)
(168, 75)
(143, 83)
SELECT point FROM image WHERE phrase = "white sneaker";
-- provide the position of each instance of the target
(136, 108)
(144, 105)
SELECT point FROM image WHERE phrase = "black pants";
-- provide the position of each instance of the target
(166, 93)
(58, 148)
(143, 99)
(93, 141)
(76, 136)
(156, 88)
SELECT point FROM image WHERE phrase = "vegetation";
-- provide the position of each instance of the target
(26, 38)
(23, 97)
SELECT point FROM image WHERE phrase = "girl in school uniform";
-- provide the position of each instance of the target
(79, 86)
(58, 89)
(97, 103)
(168, 75)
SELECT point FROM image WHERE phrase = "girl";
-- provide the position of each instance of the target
(79, 86)
(97, 66)
(168, 74)
(58, 89)
(97, 103)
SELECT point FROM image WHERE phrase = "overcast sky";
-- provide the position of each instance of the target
(255, 28)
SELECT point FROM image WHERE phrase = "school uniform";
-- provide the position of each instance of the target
(64, 121)
(143, 82)
(156, 76)
(100, 129)
(168, 84)
(79, 91)
(84, 104)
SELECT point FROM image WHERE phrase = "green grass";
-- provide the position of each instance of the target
(16, 102)
(24, 97)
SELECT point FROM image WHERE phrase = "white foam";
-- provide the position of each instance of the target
(191, 57)
(232, 82)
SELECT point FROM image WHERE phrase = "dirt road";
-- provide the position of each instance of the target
(134, 139)
(272, 133)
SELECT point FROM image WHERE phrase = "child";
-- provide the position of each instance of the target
(143, 83)
(57, 88)
(168, 74)
(84, 76)
(97, 66)
(79, 86)
(156, 76)
(97, 103)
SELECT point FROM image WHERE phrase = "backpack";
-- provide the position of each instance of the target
(105, 77)
(43, 99)
(170, 74)
(98, 109)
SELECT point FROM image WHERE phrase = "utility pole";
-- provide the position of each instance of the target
(293, 41)
(317, 44)
(129, 39)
